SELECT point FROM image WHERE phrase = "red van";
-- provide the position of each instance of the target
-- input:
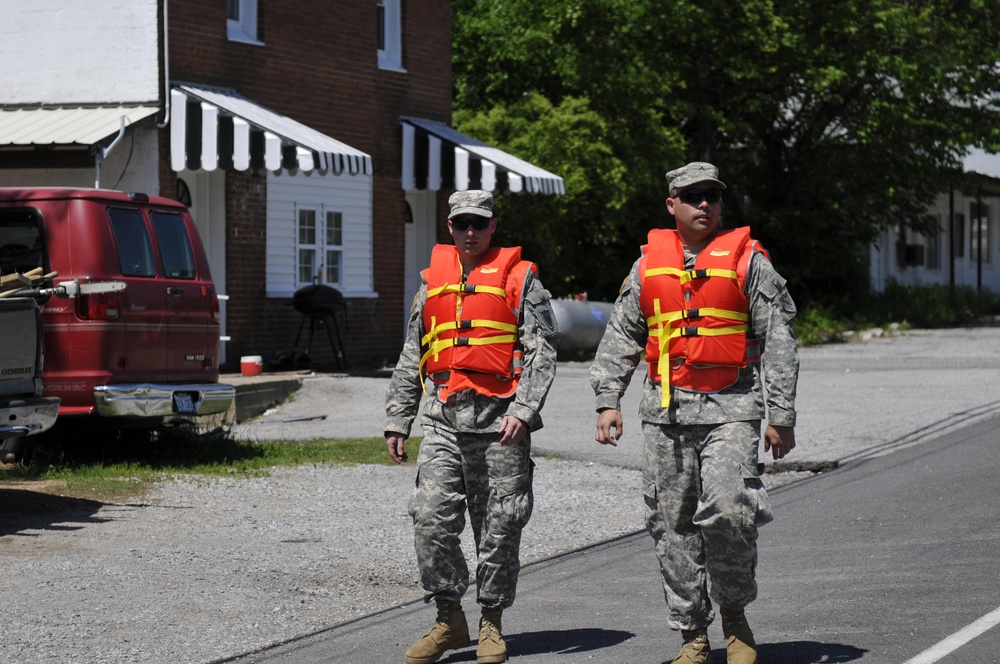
(141, 355)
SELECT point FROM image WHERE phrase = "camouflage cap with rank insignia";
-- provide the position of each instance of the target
(697, 172)
(472, 201)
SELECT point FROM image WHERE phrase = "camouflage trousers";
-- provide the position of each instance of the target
(467, 471)
(704, 502)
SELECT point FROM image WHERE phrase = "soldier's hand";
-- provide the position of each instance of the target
(513, 430)
(609, 427)
(779, 440)
(397, 447)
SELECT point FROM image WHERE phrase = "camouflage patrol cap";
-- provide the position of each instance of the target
(472, 201)
(697, 172)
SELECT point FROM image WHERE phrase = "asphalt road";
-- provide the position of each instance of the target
(891, 558)
(876, 562)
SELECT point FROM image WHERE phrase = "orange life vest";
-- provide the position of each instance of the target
(471, 325)
(697, 318)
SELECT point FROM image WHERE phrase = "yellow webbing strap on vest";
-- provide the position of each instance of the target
(660, 322)
(438, 345)
(435, 345)
(465, 325)
(687, 275)
(466, 288)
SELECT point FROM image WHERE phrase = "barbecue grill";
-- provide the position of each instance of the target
(320, 305)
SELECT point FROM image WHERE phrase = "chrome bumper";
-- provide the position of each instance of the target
(151, 400)
(27, 416)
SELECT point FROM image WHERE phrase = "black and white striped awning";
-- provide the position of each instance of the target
(212, 128)
(435, 157)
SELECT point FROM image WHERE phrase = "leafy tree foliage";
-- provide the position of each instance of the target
(830, 121)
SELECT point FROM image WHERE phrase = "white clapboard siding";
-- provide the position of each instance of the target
(348, 194)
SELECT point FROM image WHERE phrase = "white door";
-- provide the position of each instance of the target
(208, 208)
(421, 236)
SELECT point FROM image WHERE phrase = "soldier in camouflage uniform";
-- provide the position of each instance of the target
(486, 393)
(715, 321)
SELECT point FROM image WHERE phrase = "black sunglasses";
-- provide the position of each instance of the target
(462, 223)
(696, 196)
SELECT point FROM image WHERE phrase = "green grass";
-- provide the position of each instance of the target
(127, 465)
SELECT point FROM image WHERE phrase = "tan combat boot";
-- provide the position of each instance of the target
(740, 646)
(450, 631)
(492, 648)
(695, 649)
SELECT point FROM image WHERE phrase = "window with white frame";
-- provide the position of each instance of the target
(320, 247)
(241, 21)
(390, 35)
(979, 226)
(319, 228)
(334, 246)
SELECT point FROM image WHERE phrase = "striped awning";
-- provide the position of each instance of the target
(435, 157)
(213, 128)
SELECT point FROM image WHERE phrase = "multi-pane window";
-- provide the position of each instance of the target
(334, 246)
(390, 34)
(320, 246)
(307, 247)
(979, 227)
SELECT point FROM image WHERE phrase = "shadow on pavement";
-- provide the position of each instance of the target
(566, 641)
(803, 652)
(551, 642)
(33, 510)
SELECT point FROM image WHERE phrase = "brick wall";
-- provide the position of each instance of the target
(318, 65)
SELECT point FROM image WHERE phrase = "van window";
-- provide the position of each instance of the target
(20, 241)
(175, 245)
(135, 249)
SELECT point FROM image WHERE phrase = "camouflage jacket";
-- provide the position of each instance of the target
(771, 313)
(468, 411)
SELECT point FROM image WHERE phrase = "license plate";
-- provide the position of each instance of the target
(184, 403)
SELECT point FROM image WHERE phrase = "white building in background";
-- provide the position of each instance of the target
(967, 250)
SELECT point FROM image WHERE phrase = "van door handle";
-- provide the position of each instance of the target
(173, 290)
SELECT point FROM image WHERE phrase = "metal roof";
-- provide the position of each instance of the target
(73, 126)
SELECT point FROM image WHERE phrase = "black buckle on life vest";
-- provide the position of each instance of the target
(465, 324)
(689, 331)
(699, 274)
(462, 341)
(687, 314)
(469, 288)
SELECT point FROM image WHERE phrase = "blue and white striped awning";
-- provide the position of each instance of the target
(435, 157)
(213, 128)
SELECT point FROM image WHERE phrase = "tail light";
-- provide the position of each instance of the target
(98, 306)
(213, 301)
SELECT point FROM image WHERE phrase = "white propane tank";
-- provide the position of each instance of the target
(581, 323)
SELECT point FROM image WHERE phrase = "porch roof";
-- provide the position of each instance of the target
(435, 156)
(68, 126)
(212, 128)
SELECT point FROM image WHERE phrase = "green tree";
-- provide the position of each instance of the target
(831, 121)
(564, 85)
